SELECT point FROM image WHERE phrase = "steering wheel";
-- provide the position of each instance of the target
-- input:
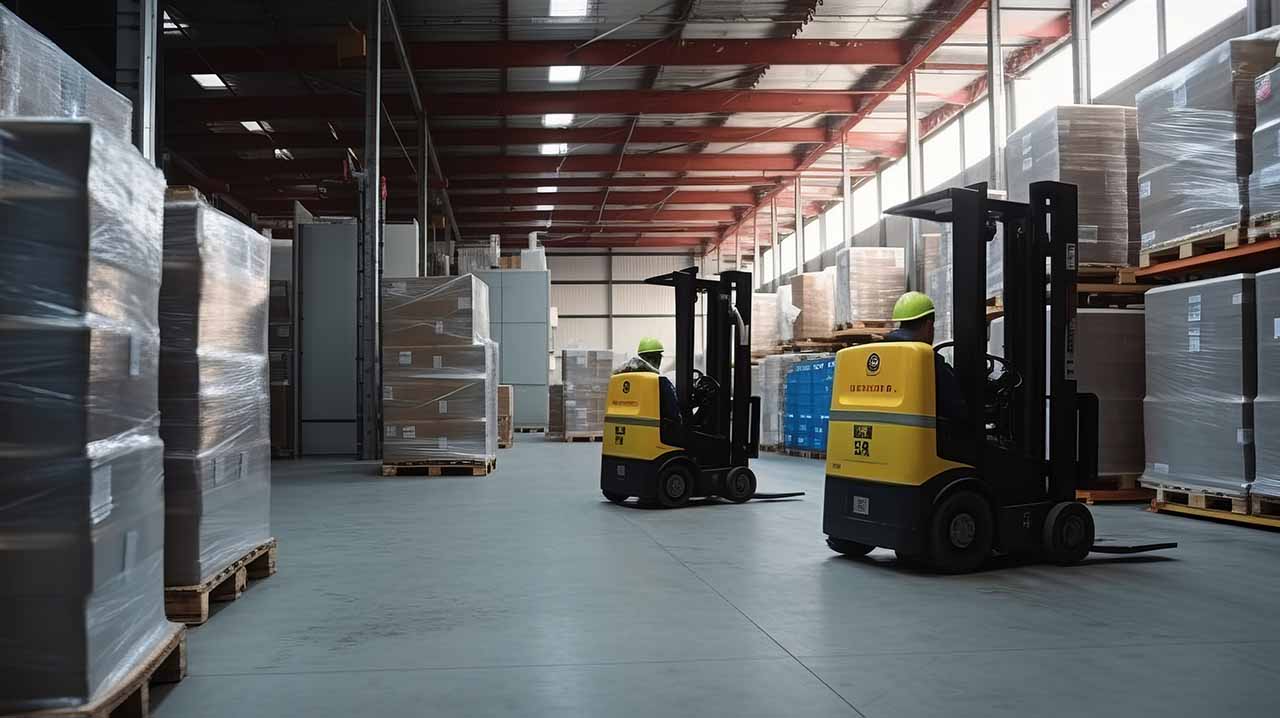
(703, 384)
(1009, 377)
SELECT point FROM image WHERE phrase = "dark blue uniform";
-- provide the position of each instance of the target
(668, 403)
(950, 401)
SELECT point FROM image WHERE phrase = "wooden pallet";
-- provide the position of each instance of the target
(505, 444)
(885, 325)
(1213, 240)
(1264, 507)
(190, 604)
(1115, 274)
(1201, 499)
(531, 429)
(130, 697)
(438, 468)
(1115, 489)
(804, 453)
(1264, 226)
(571, 437)
(1220, 515)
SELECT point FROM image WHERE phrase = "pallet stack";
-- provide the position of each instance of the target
(764, 323)
(555, 412)
(439, 377)
(813, 293)
(807, 406)
(868, 281)
(506, 431)
(82, 620)
(214, 397)
(584, 391)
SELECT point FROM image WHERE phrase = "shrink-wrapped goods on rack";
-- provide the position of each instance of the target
(1095, 148)
(807, 403)
(764, 322)
(937, 279)
(214, 395)
(813, 293)
(81, 461)
(477, 258)
(1201, 354)
(1264, 183)
(1195, 132)
(868, 280)
(773, 385)
(439, 371)
(1266, 408)
(38, 79)
(586, 374)
(787, 313)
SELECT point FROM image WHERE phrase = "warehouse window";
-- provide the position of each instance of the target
(893, 185)
(1121, 43)
(788, 249)
(1047, 84)
(977, 133)
(1187, 19)
(813, 239)
(833, 225)
(942, 159)
(766, 265)
(866, 206)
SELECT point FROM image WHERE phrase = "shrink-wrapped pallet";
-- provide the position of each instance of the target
(1195, 131)
(1095, 148)
(214, 396)
(81, 462)
(1264, 183)
(787, 313)
(1266, 407)
(1201, 354)
(764, 322)
(586, 374)
(773, 385)
(814, 294)
(868, 280)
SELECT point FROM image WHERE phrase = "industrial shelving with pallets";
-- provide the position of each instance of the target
(439, 468)
(190, 604)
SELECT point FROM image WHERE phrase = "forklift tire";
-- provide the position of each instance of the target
(848, 548)
(615, 498)
(675, 486)
(739, 485)
(961, 533)
(1068, 533)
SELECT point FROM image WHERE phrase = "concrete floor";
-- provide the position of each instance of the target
(525, 594)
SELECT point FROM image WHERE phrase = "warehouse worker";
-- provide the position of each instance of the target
(649, 358)
(914, 313)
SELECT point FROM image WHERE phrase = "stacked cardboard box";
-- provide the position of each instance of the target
(506, 430)
(555, 411)
(814, 294)
(1094, 147)
(585, 389)
(787, 313)
(439, 371)
(214, 397)
(868, 280)
(1195, 131)
(1201, 353)
(81, 461)
(1266, 408)
(764, 322)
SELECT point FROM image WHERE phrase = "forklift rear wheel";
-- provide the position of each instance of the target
(961, 531)
(615, 498)
(1068, 533)
(848, 548)
(675, 486)
(739, 485)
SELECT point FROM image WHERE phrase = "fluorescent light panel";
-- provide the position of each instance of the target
(569, 8)
(545, 207)
(546, 189)
(253, 126)
(564, 73)
(209, 81)
(554, 148)
(283, 154)
(557, 119)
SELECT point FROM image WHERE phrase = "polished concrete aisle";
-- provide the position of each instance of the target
(525, 594)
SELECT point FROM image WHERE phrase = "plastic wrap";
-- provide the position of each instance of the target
(1195, 130)
(1110, 363)
(1201, 351)
(439, 371)
(280, 317)
(38, 79)
(814, 294)
(586, 374)
(787, 313)
(937, 280)
(764, 322)
(81, 463)
(535, 259)
(1264, 183)
(1094, 147)
(806, 406)
(214, 396)
(773, 384)
(477, 259)
(506, 399)
(868, 281)
(1266, 407)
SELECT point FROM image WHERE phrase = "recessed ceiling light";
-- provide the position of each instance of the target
(554, 148)
(546, 189)
(545, 207)
(557, 119)
(283, 154)
(209, 81)
(569, 8)
(564, 73)
(253, 126)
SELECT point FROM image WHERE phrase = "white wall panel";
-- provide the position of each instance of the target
(582, 334)
(629, 268)
(631, 299)
(568, 267)
(628, 331)
(572, 299)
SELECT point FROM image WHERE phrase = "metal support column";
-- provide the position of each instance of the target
(846, 192)
(799, 235)
(1081, 19)
(757, 266)
(996, 95)
(137, 32)
(774, 245)
(423, 161)
(1162, 23)
(915, 181)
(368, 253)
(1260, 14)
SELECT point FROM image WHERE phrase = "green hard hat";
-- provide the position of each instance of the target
(912, 305)
(649, 345)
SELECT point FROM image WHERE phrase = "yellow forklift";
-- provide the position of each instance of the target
(705, 450)
(949, 491)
